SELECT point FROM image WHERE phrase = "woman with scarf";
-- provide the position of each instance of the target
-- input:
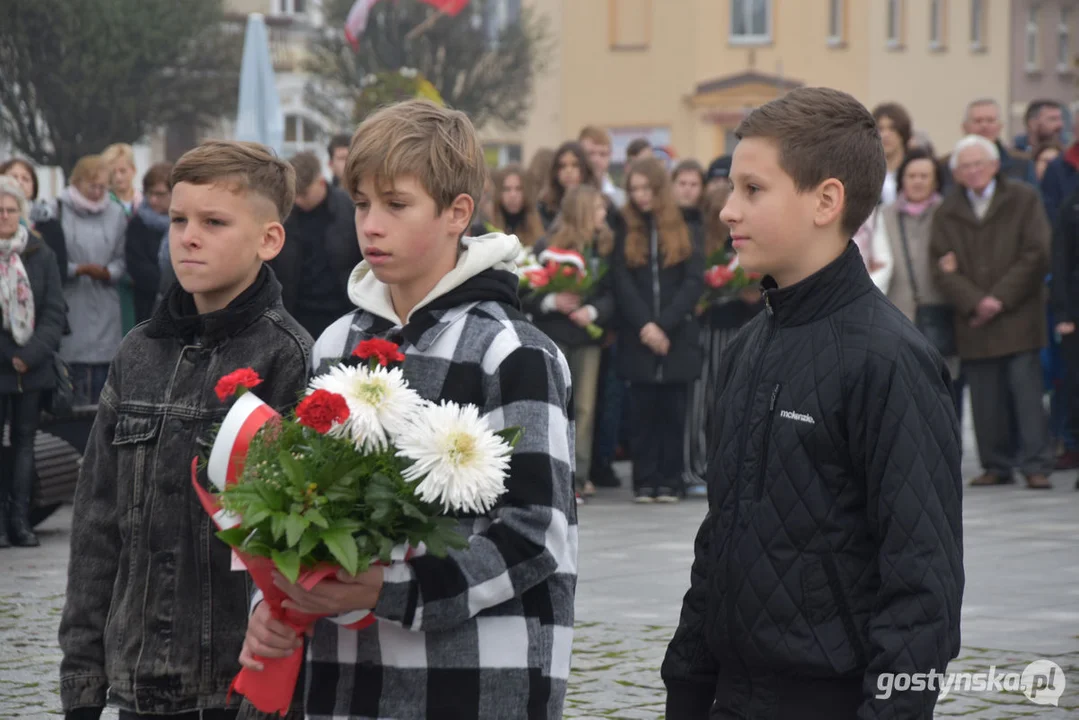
(32, 307)
(146, 231)
(904, 228)
(94, 228)
(42, 218)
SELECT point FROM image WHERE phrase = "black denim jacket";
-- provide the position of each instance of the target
(154, 616)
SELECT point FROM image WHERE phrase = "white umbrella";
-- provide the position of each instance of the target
(259, 117)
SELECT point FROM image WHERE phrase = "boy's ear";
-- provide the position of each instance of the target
(831, 199)
(460, 214)
(273, 240)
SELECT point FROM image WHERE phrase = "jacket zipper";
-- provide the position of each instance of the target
(655, 294)
(759, 491)
(742, 448)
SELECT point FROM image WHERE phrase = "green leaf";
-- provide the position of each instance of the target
(512, 435)
(291, 467)
(343, 548)
(314, 517)
(288, 562)
(413, 512)
(254, 517)
(294, 527)
(381, 514)
(436, 544)
(341, 493)
(234, 537)
(308, 542)
(277, 526)
(385, 549)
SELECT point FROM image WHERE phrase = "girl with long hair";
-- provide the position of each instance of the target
(657, 277)
(569, 169)
(514, 207)
(563, 317)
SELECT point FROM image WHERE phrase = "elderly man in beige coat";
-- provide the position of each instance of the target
(990, 245)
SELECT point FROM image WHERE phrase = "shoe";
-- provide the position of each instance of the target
(4, 542)
(588, 489)
(989, 479)
(20, 531)
(580, 500)
(666, 496)
(644, 496)
(1039, 482)
(603, 476)
(1068, 460)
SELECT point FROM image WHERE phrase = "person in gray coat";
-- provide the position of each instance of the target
(94, 230)
(32, 312)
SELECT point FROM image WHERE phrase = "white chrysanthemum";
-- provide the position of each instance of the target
(380, 403)
(460, 462)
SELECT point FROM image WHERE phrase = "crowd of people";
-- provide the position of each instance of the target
(644, 389)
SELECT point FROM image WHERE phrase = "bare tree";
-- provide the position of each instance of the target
(483, 61)
(80, 74)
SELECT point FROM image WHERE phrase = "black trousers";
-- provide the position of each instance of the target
(1069, 348)
(21, 412)
(659, 425)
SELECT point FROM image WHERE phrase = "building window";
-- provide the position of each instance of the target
(978, 24)
(1064, 41)
(1033, 51)
(895, 24)
(500, 15)
(751, 22)
(629, 24)
(501, 154)
(837, 22)
(303, 133)
(938, 24)
(291, 7)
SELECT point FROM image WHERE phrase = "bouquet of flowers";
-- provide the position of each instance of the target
(724, 279)
(561, 271)
(361, 472)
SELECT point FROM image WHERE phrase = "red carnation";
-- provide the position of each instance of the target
(569, 271)
(537, 278)
(384, 351)
(321, 409)
(227, 386)
(718, 276)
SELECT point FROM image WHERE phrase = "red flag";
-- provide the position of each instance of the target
(449, 7)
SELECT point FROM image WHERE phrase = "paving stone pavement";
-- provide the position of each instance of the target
(1021, 603)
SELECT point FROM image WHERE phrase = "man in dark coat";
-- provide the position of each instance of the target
(320, 251)
(990, 245)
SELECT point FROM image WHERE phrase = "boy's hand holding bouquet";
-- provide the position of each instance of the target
(566, 275)
(359, 475)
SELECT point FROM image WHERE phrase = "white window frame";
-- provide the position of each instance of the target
(1032, 51)
(288, 7)
(977, 25)
(893, 24)
(746, 8)
(1064, 43)
(938, 24)
(837, 20)
(291, 147)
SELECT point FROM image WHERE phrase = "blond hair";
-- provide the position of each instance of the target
(87, 168)
(596, 134)
(436, 145)
(244, 166)
(118, 151)
(577, 229)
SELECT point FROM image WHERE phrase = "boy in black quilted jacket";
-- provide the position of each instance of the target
(831, 556)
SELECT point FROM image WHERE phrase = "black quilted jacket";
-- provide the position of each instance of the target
(832, 550)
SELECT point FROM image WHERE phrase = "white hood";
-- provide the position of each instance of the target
(494, 251)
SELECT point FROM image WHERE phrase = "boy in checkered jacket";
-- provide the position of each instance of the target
(486, 632)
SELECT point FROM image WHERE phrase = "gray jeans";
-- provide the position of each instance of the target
(993, 384)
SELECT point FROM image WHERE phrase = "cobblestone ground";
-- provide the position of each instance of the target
(1021, 604)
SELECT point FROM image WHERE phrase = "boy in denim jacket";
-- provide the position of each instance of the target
(154, 618)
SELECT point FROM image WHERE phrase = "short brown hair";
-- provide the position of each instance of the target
(436, 145)
(822, 133)
(338, 141)
(308, 170)
(6, 167)
(158, 174)
(636, 147)
(900, 118)
(596, 134)
(86, 168)
(248, 166)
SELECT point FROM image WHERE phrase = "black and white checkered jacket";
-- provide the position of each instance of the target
(485, 633)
